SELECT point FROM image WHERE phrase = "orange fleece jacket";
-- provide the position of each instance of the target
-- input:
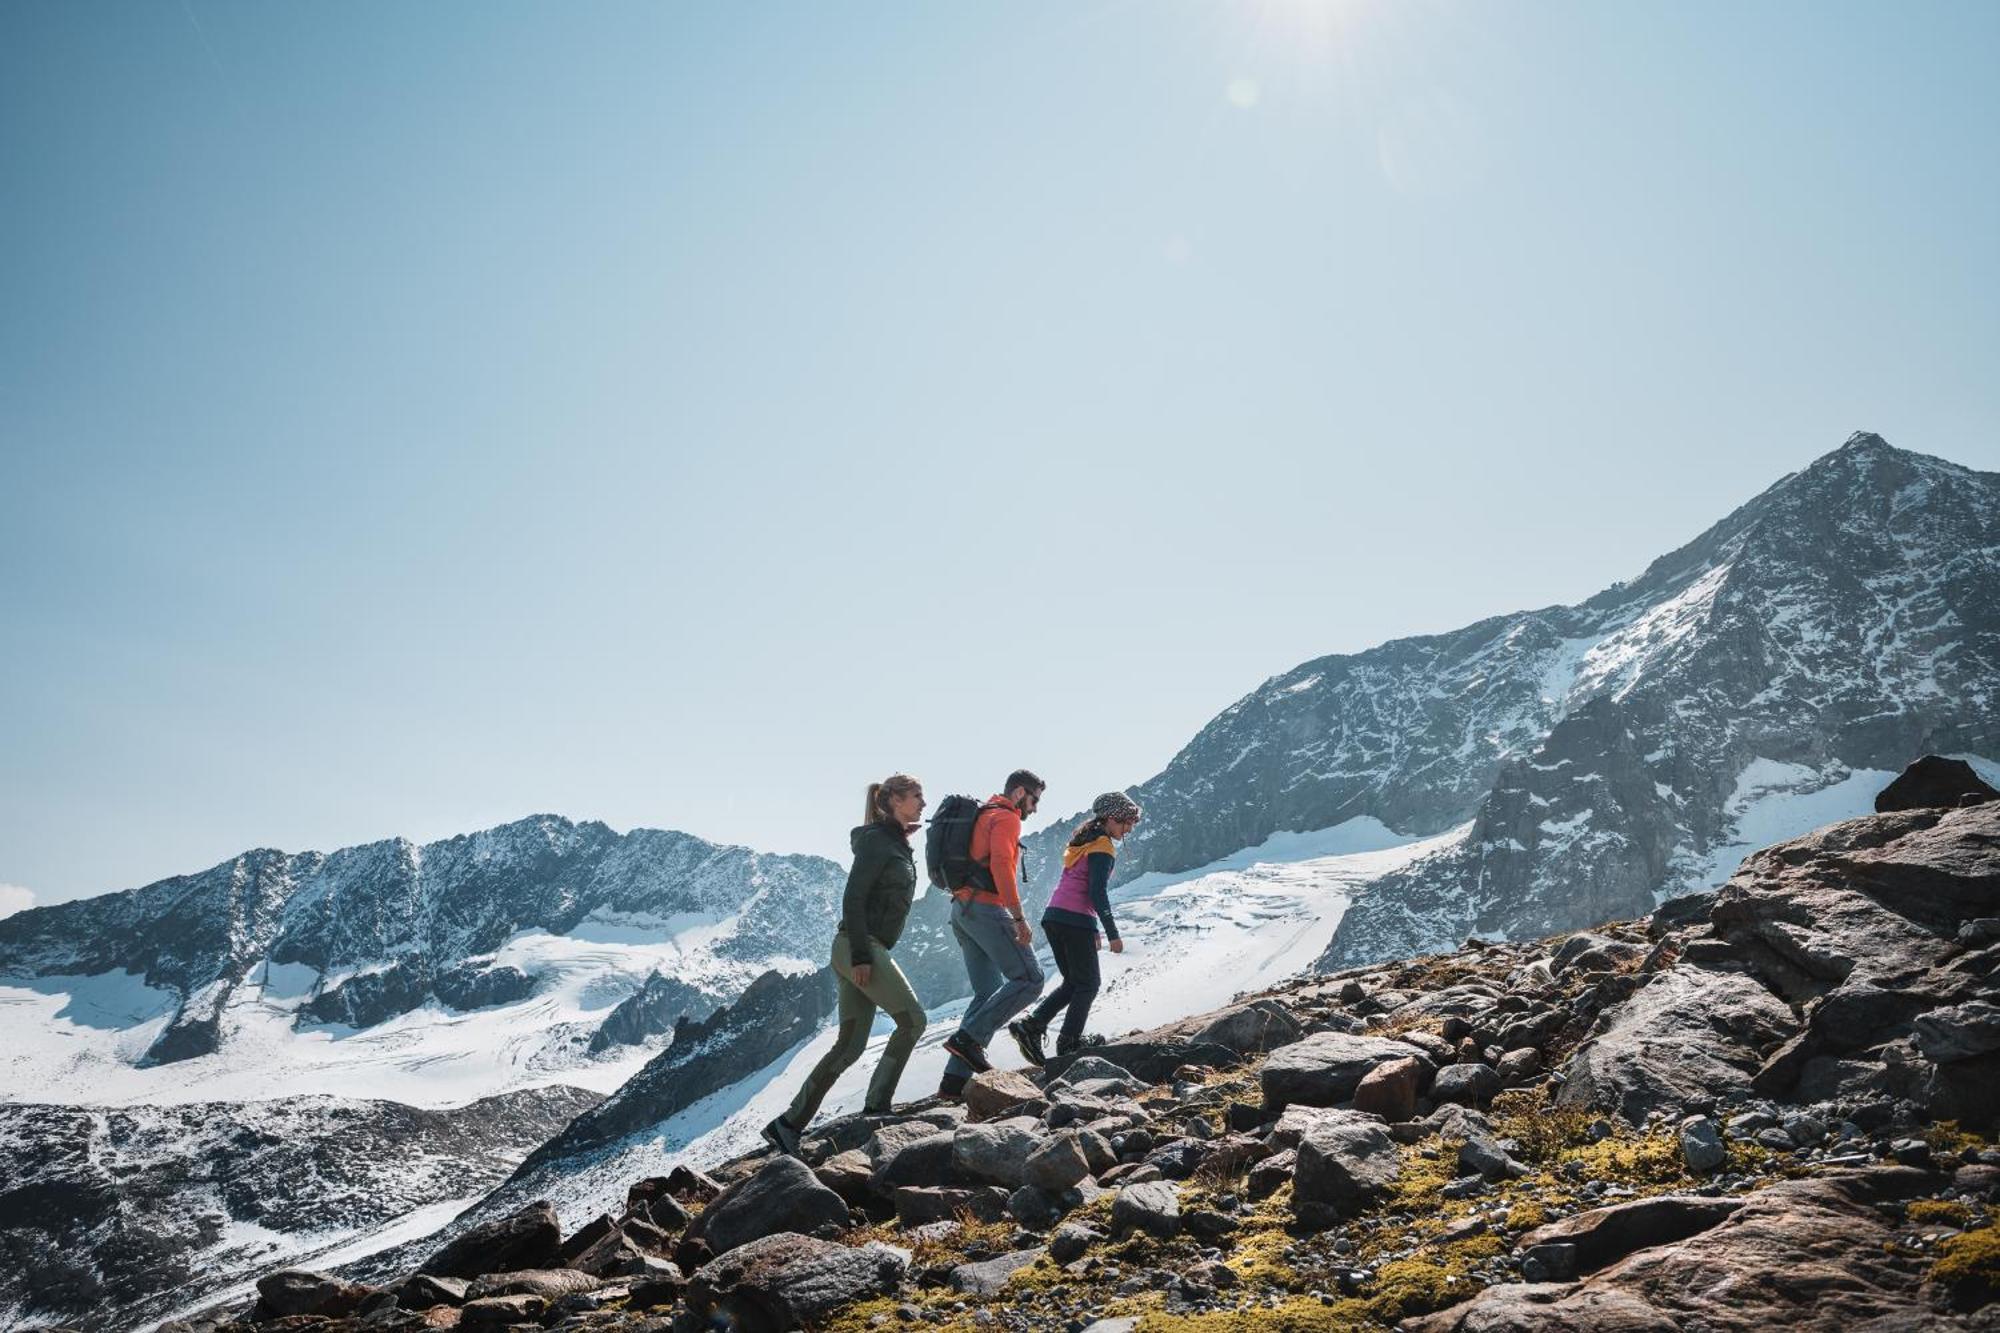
(996, 844)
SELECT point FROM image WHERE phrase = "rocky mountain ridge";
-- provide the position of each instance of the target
(391, 925)
(1770, 1105)
(1605, 753)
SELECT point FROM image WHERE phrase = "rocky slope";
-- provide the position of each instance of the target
(1772, 1105)
(113, 1216)
(1621, 750)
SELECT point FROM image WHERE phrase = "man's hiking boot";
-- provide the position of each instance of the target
(1029, 1039)
(952, 1089)
(967, 1048)
(780, 1135)
(1084, 1043)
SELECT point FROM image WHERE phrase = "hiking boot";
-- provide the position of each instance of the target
(780, 1135)
(967, 1048)
(1029, 1039)
(952, 1089)
(1064, 1046)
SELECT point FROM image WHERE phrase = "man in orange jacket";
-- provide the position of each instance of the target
(993, 931)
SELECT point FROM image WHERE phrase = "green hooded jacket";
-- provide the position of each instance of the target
(880, 888)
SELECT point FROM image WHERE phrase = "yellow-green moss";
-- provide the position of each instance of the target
(1947, 1136)
(1526, 1216)
(1654, 1159)
(1939, 1212)
(1971, 1262)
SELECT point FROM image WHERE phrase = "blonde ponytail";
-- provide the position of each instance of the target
(879, 794)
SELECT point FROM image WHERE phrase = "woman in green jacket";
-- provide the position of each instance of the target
(880, 887)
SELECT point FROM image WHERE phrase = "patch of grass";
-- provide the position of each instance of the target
(1526, 1216)
(1544, 1132)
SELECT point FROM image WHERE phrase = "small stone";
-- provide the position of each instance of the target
(1701, 1145)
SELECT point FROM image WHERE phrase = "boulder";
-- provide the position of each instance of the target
(1390, 1089)
(1483, 1156)
(888, 1140)
(788, 1281)
(988, 1277)
(1604, 1235)
(1817, 1254)
(997, 1151)
(1325, 1068)
(1058, 1162)
(421, 1291)
(1072, 1241)
(1702, 1150)
(990, 1093)
(502, 1311)
(1249, 1029)
(783, 1195)
(297, 1291)
(1959, 1032)
(849, 1174)
(1519, 1066)
(1689, 1036)
(1035, 1208)
(924, 1161)
(1153, 1207)
(530, 1237)
(1269, 1175)
(1934, 781)
(1345, 1160)
(684, 1185)
(917, 1205)
(548, 1283)
(1470, 1085)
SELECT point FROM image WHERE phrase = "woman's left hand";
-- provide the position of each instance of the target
(1118, 946)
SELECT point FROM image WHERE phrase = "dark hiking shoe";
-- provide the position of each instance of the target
(963, 1045)
(952, 1089)
(780, 1135)
(1029, 1039)
(1088, 1040)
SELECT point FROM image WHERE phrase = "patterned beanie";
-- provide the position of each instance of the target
(1115, 805)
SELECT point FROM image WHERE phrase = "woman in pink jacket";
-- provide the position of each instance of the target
(1081, 901)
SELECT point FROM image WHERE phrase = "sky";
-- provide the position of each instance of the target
(417, 417)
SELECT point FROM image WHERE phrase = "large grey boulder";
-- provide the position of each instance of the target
(1325, 1068)
(787, 1281)
(1692, 1035)
(1261, 1025)
(783, 1195)
(530, 1237)
(1152, 1206)
(298, 1291)
(1959, 1032)
(1059, 1162)
(997, 1151)
(1345, 1160)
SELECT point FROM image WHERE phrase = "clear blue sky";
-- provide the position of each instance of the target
(417, 416)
